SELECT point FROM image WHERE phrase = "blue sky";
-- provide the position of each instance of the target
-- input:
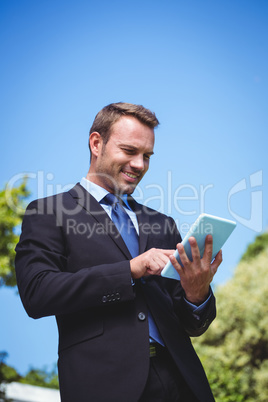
(201, 66)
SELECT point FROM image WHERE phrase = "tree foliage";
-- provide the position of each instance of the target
(234, 351)
(11, 211)
(256, 247)
(40, 377)
(7, 373)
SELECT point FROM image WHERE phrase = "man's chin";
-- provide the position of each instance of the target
(127, 189)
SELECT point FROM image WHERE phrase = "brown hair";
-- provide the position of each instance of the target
(110, 114)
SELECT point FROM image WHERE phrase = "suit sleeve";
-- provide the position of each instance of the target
(195, 322)
(46, 288)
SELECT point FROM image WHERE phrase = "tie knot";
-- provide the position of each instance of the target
(110, 199)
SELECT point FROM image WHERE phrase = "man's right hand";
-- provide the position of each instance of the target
(149, 263)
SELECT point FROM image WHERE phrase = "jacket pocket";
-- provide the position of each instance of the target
(79, 327)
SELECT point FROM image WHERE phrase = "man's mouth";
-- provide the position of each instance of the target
(131, 175)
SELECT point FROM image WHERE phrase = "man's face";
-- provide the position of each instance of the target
(122, 162)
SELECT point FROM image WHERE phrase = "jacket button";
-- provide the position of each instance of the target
(141, 316)
(104, 299)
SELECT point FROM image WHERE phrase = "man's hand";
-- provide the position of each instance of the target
(149, 263)
(196, 275)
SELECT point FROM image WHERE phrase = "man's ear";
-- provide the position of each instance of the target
(95, 142)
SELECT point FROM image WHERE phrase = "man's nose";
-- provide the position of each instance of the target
(137, 162)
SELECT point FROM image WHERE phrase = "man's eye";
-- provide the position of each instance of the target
(128, 151)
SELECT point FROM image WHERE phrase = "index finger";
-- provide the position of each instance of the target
(167, 252)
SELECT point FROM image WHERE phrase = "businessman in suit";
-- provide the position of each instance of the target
(92, 257)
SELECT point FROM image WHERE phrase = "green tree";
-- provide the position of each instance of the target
(12, 206)
(42, 378)
(7, 374)
(11, 211)
(234, 351)
(256, 247)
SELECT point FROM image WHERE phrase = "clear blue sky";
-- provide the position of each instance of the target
(202, 66)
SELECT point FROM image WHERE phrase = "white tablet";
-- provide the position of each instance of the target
(205, 224)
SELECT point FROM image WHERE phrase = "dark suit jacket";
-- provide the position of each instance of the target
(72, 263)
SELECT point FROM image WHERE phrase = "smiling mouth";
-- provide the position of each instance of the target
(131, 175)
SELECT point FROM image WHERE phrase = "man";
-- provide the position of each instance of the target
(94, 261)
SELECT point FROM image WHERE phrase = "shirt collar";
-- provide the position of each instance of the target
(99, 192)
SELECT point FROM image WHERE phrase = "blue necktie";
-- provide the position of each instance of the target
(129, 234)
(123, 223)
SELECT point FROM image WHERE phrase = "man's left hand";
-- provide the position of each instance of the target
(196, 275)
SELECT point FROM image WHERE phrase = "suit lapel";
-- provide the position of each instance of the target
(143, 222)
(92, 206)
